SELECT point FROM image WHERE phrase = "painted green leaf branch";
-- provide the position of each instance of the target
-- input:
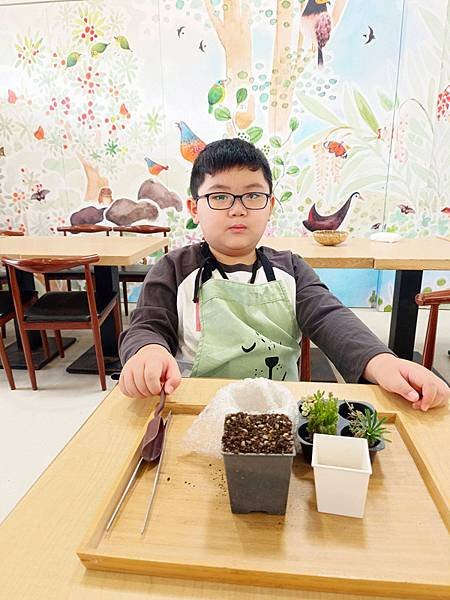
(222, 113)
(241, 95)
(285, 196)
(190, 224)
(316, 108)
(254, 134)
(294, 124)
(366, 112)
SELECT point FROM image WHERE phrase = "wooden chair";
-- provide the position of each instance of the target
(62, 310)
(433, 300)
(3, 276)
(7, 314)
(136, 273)
(305, 359)
(76, 274)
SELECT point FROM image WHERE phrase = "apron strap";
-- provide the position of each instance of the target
(210, 263)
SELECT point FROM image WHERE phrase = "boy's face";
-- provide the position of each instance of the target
(235, 231)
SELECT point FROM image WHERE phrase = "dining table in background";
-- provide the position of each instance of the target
(113, 252)
(409, 258)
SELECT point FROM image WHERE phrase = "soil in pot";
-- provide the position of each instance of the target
(258, 451)
(346, 431)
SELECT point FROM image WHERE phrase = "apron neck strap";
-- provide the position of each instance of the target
(210, 263)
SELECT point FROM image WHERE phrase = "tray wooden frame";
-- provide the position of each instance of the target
(95, 556)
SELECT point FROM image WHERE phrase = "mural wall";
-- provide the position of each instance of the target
(104, 106)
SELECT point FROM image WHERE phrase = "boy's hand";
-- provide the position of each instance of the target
(414, 382)
(147, 371)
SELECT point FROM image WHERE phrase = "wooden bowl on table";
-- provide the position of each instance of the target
(330, 237)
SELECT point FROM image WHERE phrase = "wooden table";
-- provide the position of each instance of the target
(39, 539)
(408, 257)
(113, 252)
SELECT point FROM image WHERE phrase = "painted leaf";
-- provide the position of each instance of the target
(316, 108)
(293, 171)
(285, 196)
(222, 114)
(441, 281)
(275, 141)
(276, 172)
(190, 224)
(385, 101)
(254, 134)
(293, 124)
(278, 160)
(366, 112)
(241, 95)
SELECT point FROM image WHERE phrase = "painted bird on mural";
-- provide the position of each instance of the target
(406, 210)
(123, 42)
(216, 94)
(336, 148)
(370, 36)
(315, 17)
(154, 168)
(190, 144)
(317, 221)
(72, 59)
(98, 48)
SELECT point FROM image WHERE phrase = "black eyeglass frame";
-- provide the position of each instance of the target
(235, 197)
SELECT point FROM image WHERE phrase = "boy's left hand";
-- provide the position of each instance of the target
(414, 382)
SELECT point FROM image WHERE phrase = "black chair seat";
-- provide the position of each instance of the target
(134, 273)
(7, 304)
(75, 274)
(65, 306)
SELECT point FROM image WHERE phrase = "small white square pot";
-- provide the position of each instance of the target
(341, 474)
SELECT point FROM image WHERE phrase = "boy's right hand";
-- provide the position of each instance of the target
(147, 371)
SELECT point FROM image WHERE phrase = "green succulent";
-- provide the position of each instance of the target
(323, 414)
(367, 425)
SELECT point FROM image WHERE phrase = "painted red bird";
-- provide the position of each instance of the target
(317, 221)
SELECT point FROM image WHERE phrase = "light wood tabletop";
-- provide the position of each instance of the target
(354, 253)
(113, 251)
(39, 539)
(360, 253)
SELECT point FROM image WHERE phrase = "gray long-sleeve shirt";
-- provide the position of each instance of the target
(165, 312)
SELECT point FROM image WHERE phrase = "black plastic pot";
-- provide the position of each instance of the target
(258, 482)
(307, 446)
(372, 449)
(343, 409)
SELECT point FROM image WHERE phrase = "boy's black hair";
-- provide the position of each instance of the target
(225, 154)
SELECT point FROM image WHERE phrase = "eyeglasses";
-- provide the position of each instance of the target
(222, 201)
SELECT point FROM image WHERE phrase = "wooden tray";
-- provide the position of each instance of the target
(401, 548)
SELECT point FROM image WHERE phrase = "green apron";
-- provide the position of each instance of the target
(247, 329)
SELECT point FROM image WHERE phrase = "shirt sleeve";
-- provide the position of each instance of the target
(334, 328)
(155, 319)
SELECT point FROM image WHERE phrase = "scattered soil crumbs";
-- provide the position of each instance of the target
(257, 434)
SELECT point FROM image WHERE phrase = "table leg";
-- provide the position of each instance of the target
(106, 281)
(402, 332)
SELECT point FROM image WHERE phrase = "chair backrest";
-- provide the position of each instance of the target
(49, 265)
(146, 229)
(11, 233)
(433, 298)
(88, 228)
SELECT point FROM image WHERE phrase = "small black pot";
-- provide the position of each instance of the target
(258, 482)
(361, 406)
(307, 447)
(372, 449)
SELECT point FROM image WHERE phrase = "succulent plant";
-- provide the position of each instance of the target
(323, 414)
(367, 425)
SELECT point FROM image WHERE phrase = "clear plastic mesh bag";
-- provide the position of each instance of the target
(253, 396)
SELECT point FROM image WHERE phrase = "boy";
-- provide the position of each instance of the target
(225, 308)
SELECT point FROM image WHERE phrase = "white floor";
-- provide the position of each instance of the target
(35, 426)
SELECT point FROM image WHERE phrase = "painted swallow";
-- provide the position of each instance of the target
(376, 226)
(370, 36)
(202, 46)
(180, 31)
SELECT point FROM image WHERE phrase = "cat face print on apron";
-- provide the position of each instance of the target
(247, 329)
